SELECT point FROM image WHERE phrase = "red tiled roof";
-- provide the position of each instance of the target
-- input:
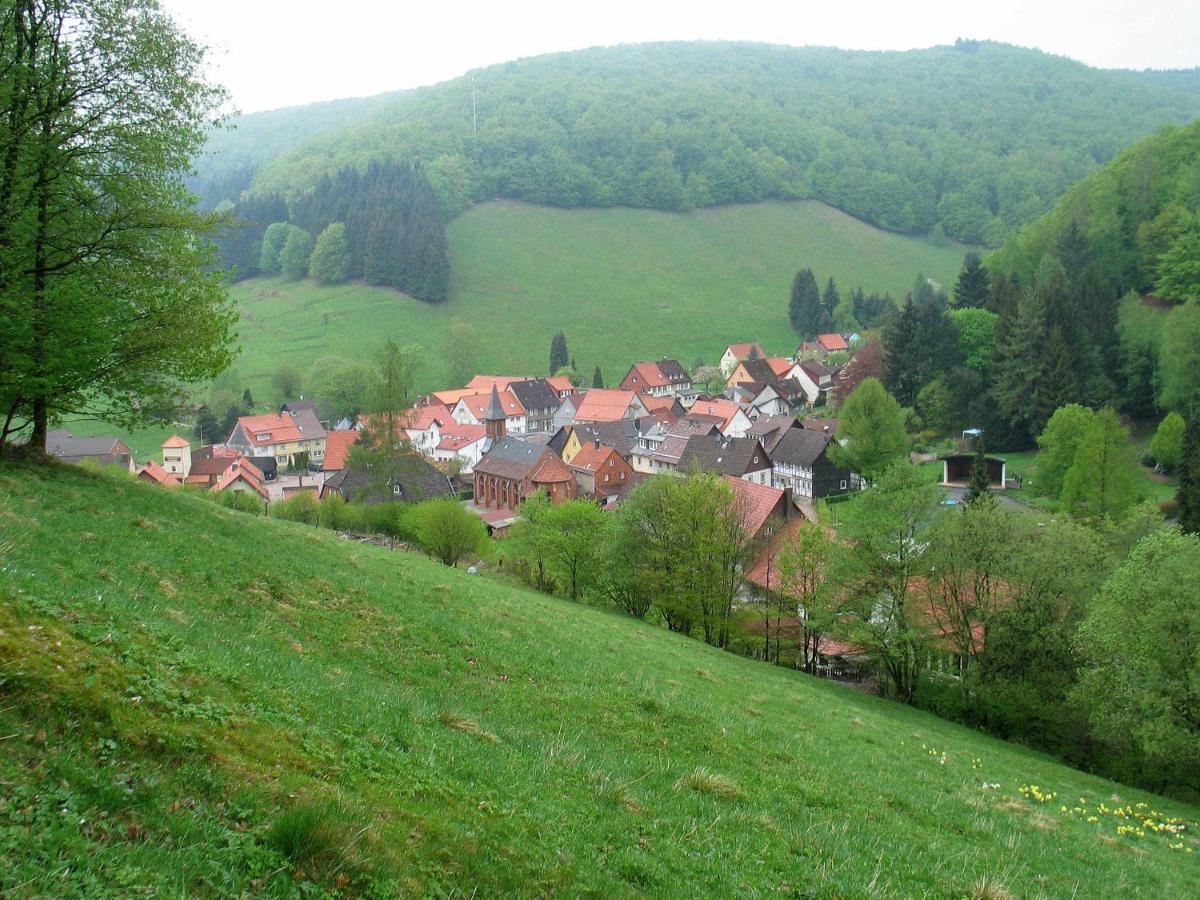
(832, 342)
(279, 428)
(551, 469)
(654, 404)
(455, 436)
(742, 350)
(590, 458)
(724, 410)
(243, 472)
(152, 471)
(337, 448)
(604, 405)
(647, 374)
(421, 418)
(756, 502)
(560, 383)
(176, 441)
(478, 404)
(780, 365)
(449, 398)
(482, 384)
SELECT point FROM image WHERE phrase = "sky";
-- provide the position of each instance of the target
(273, 53)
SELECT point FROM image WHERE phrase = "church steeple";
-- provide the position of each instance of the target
(495, 421)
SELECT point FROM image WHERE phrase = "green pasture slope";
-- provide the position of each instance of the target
(195, 701)
(623, 284)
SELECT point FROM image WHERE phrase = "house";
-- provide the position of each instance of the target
(761, 508)
(759, 400)
(337, 448)
(423, 426)
(822, 345)
(472, 410)
(622, 436)
(800, 465)
(448, 399)
(565, 417)
(482, 384)
(562, 385)
(730, 419)
(177, 457)
(513, 469)
(816, 380)
(156, 474)
(540, 400)
(289, 438)
(295, 406)
(241, 475)
(735, 353)
(462, 443)
(737, 456)
(609, 405)
(600, 471)
(105, 451)
(757, 370)
(406, 479)
(664, 378)
(669, 406)
(956, 470)
(769, 429)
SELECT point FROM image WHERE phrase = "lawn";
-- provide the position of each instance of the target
(201, 702)
(622, 284)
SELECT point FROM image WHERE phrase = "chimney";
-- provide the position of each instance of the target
(597, 443)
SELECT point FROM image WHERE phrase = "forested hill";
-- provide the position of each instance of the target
(974, 138)
(1139, 217)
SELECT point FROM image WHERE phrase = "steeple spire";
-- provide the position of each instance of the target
(495, 421)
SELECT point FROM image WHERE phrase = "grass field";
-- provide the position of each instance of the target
(623, 284)
(199, 702)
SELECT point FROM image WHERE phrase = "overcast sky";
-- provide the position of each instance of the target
(272, 53)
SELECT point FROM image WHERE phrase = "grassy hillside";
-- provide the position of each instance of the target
(201, 702)
(623, 284)
(977, 138)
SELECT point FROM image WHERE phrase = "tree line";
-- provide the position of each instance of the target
(381, 224)
(679, 126)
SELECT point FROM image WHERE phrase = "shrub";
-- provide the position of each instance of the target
(307, 834)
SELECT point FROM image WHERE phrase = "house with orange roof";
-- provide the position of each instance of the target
(731, 419)
(177, 456)
(472, 410)
(482, 384)
(735, 353)
(241, 475)
(600, 471)
(156, 474)
(462, 443)
(448, 398)
(562, 385)
(761, 508)
(822, 345)
(288, 437)
(337, 448)
(609, 405)
(424, 425)
(660, 378)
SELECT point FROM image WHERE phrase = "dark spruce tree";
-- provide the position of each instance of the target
(597, 378)
(240, 243)
(830, 299)
(1188, 494)
(804, 307)
(973, 288)
(979, 487)
(247, 398)
(559, 357)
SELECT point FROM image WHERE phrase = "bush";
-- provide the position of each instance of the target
(299, 508)
(307, 835)
(448, 531)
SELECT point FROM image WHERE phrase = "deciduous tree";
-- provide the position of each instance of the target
(330, 260)
(871, 423)
(1167, 443)
(448, 531)
(1101, 481)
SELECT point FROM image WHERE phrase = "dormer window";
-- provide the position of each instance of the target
(396, 489)
(262, 437)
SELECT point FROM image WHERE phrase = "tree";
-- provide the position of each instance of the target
(1064, 432)
(1179, 265)
(976, 329)
(804, 591)
(938, 407)
(448, 531)
(461, 350)
(559, 357)
(830, 298)
(881, 560)
(108, 297)
(973, 287)
(1101, 481)
(804, 307)
(574, 531)
(871, 423)
(980, 489)
(207, 427)
(597, 378)
(1138, 642)
(273, 241)
(1188, 494)
(295, 255)
(247, 398)
(1167, 443)
(286, 380)
(621, 565)
(330, 260)
(527, 543)
(343, 388)
(1181, 361)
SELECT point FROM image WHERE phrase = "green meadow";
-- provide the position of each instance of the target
(198, 702)
(622, 284)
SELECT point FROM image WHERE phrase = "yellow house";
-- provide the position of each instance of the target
(572, 447)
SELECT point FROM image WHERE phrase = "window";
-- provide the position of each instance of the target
(606, 477)
(610, 460)
(843, 484)
(396, 489)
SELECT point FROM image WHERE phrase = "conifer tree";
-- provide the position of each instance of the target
(597, 378)
(1188, 494)
(559, 357)
(804, 308)
(980, 484)
(247, 398)
(830, 298)
(972, 287)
